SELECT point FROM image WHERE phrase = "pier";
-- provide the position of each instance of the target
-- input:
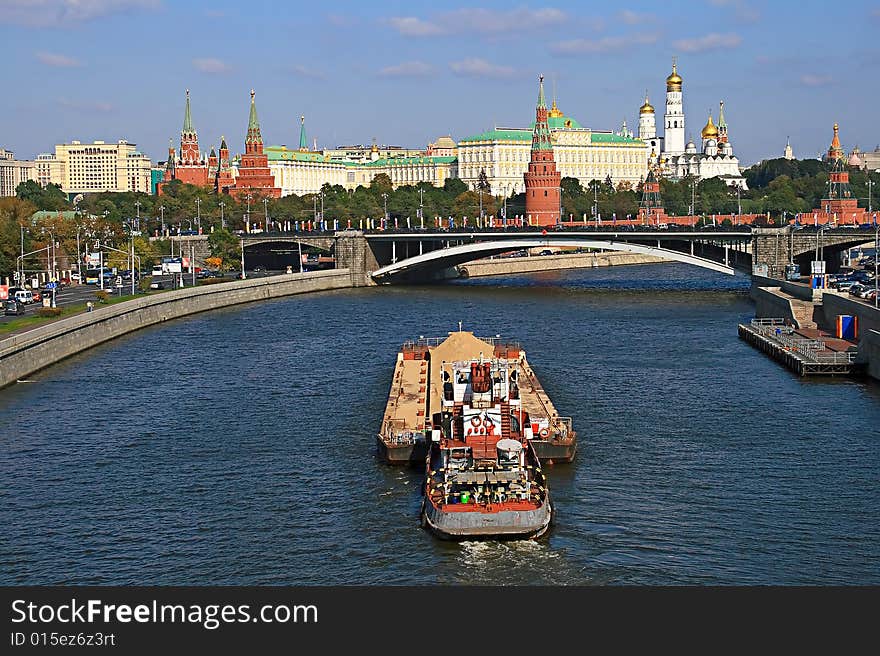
(806, 352)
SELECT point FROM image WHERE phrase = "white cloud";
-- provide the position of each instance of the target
(476, 67)
(211, 65)
(411, 26)
(54, 59)
(407, 69)
(63, 13)
(634, 18)
(713, 41)
(743, 11)
(811, 80)
(305, 71)
(479, 21)
(605, 44)
(81, 106)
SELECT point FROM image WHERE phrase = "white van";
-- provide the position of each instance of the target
(24, 296)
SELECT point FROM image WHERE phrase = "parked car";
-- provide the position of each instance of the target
(157, 284)
(37, 295)
(24, 296)
(13, 306)
(75, 277)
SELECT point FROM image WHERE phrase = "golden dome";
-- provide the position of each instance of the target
(709, 131)
(673, 82)
(647, 108)
(555, 112)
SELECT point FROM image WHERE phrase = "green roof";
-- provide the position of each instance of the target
(275, 153)
(610, 137)
(560, 122)
(51, 214)
(523, 134)
(281, 153)
(515, 134)
(389, 161)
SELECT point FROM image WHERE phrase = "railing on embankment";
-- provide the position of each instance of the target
(32, 350)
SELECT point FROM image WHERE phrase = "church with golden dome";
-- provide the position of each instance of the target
(672, 157)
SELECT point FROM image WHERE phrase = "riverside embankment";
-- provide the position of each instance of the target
(805, 307)
(501, 266)
(30, 351)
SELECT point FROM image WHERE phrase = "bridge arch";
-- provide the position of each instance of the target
(432, 263)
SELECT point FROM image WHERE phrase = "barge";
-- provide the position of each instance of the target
(473, 412)
(417, 391)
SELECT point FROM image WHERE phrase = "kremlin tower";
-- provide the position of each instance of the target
(188, 166)
(542, 180)
(835, 152)
(253, 171)
(222, 174)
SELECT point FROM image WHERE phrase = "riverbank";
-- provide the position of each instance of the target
(500, 266)
(29, 351)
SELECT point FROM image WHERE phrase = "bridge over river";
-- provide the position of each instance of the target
(421, 255)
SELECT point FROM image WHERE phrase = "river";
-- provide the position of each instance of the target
(237, 446)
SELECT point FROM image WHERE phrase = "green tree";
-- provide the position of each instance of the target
(483, 182)
(14, 213)
(51, 198)
(226, 246)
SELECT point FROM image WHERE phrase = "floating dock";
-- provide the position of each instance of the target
(806, 351)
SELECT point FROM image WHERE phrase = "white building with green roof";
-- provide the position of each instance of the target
(579, 153)
(304, 172)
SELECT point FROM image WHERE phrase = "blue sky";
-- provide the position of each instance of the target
(407, 72)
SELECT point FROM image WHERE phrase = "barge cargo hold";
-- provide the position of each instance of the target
(417, 390)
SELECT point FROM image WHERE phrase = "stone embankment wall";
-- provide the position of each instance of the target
(27, 352)
(509, 265)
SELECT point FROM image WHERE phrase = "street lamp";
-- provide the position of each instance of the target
(870, 184)
(385, 202)
(266, 213)
(421, 204)
(243, 275)
(248, 197)
(198, 212)
(162, 214)
(222, 219)
(137, 205)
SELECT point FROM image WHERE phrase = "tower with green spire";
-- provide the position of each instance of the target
(189, 140)
(542, 179)
(254, 175)
(303, 142)
(254, 140)
(722, 124)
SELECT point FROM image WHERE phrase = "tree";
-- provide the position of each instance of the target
(381, 184)
(454, 187)
(226, 246)
(51, 198)
(483, 182)
(14, 213)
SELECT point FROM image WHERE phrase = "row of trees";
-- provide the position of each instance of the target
(775, 186)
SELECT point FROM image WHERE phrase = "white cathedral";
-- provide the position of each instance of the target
(672, 157)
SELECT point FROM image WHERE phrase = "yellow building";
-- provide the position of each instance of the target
(97, 167)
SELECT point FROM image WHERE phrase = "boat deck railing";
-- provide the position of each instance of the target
(395, 431)
(423, 342)
(813, 350)
(564, 426)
